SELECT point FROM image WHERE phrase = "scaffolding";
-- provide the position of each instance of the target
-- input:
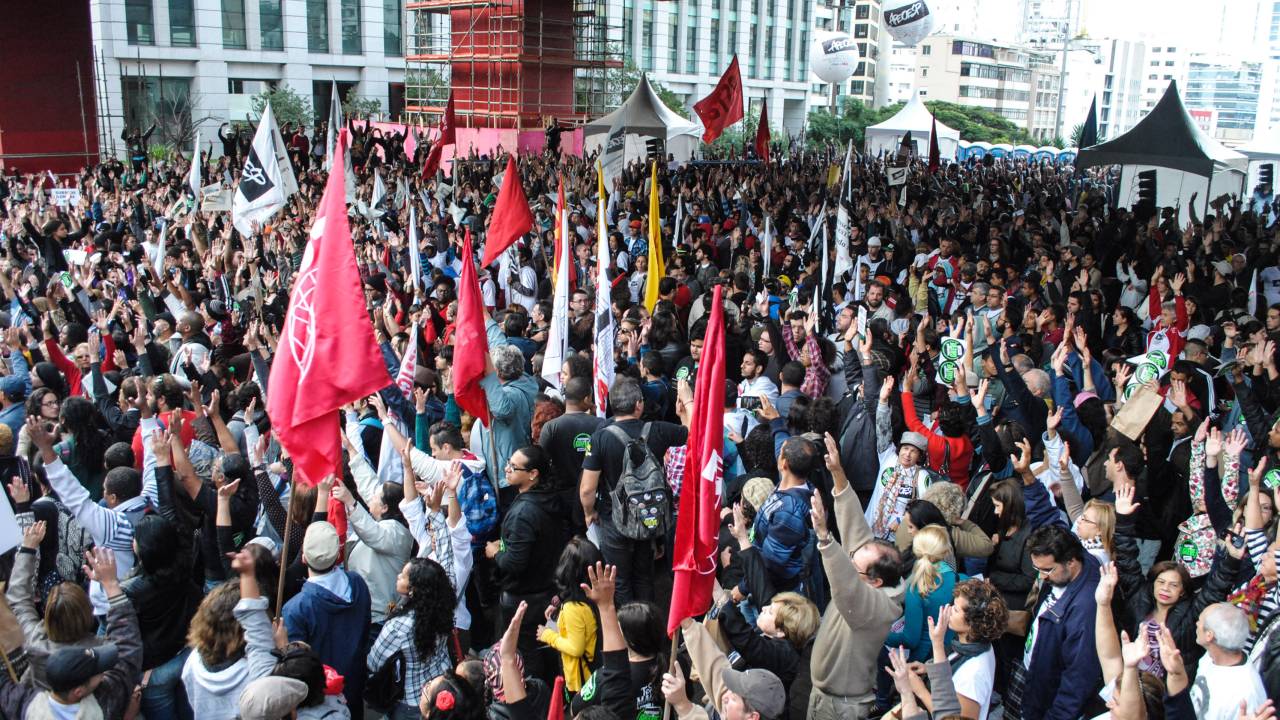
(511, 64)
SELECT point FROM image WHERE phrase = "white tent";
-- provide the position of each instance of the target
(1263, 149)
(645, 116)
(886, 137)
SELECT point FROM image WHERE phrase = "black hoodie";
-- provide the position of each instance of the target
(533, 533)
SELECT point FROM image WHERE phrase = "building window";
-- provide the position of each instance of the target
(646, 28)
(166, 102)
(857, 87)
(272, 23)
(139, 25)
(351, 41)
(182, 23)
(926, 50)
(233, 33)
(318, 26)
(860, 30)
(691, 38)
(392, 29)
(862, 12)
(924, 72)
(715, 41)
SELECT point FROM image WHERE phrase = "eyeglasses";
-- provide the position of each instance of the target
(1084, 520)
(517, 468)
(50, 402)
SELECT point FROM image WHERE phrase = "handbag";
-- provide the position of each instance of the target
(385, 689)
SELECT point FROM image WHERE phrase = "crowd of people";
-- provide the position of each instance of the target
(1002, 450)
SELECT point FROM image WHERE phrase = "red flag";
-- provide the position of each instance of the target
(470, 341)
(698, 525)
(511, 215)
(408, 366)
(328, 356)
(448, 136)
(762, 133)
(935, 156)
(556, 709)
(723, 107)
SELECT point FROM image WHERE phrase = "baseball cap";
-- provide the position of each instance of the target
(915, 440)
(760, 689)
(873, 241)
(757, 491)
(69, 668)
(320, 546)
(271, 698)
(1222, 266)
(13, 386)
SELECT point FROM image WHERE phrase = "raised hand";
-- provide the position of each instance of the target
(34, 534)
(1108, 579)
(1022, 461)
(1258, 471)
(1124, 500)
(1236, 442)
(1212, 444)
(227, 489)
(938, 628)
(1054, 419)
(819, 514)
(19, 491)
(602, 581)
(1132, 652)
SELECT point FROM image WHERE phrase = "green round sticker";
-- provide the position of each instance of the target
(952, 349)
(1187, 551)
(1146, 373)
(947, 371)
(1272, 478)
(1130, 389)
(1158, 358)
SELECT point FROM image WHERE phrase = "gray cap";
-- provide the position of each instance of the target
(1223, 267)
(915, 440)
(271, 698)
(760, 689)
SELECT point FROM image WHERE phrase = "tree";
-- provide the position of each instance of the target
(974, 124)
(670, 99)
(849, 124)
(174, 115)
(289, 107)
(978, 124)
(358, 107)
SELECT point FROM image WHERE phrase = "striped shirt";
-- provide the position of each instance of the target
(397, 634)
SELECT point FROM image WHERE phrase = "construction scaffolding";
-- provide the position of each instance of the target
(512, 64)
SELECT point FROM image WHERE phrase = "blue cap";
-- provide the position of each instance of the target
(13, 385)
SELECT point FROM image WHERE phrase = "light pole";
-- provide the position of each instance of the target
(1062, 74)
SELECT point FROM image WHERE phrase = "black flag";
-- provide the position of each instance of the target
(1089, 133)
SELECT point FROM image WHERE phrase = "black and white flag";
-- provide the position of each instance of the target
(260, 192)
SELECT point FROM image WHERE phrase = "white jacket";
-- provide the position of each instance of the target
(215, 694)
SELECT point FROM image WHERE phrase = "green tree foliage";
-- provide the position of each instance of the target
(974, 124)
(289, 107)
(358, 107)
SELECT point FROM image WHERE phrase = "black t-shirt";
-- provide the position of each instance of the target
(566, 440)
(629, 689)
(605, 453)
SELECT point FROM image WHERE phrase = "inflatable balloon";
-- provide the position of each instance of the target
(833, 56)
(908, 21)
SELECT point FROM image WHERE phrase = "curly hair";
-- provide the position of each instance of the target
(949, 498)
(757, 451)
(985, 611)
(431, 600)
(215, 633)
(545, 409)
(80, 418)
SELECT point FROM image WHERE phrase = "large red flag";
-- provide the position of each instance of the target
(935, 156)
(470, 341)
(762, 133)
(448, 136)
(698, 526)
(328, 356)
(511, 215)
(723, 107)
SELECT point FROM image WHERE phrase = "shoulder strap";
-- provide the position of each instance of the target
(619, 433)
(644, 432)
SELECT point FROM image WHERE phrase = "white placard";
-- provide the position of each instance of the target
(217, 201)
(10, 535)
(64, 197)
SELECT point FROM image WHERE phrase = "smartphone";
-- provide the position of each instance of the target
(749, 402)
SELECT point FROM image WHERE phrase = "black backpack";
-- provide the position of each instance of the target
(642, 500)
(384, 691)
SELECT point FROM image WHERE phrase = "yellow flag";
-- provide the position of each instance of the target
(833, 176)
(657, 268)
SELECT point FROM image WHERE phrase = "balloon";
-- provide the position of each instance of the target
(833, 56)
(908, 21)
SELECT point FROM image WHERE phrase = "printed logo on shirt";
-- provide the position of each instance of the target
(588, 691)
(1188, 552)
(582, 443)
(682, 373)
(886, 476)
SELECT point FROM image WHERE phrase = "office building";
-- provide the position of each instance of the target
(863, 20)
(1229, 90)
(1016, 82)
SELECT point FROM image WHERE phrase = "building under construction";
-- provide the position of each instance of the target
(512, 64)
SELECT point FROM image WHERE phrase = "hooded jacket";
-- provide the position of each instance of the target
(335, 627)
(1065, 661)
(214, 692)
(534, 522)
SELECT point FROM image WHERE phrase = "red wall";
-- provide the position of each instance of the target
(40, 44)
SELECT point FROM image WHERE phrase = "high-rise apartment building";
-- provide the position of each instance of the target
(863, 20)
(1229, 89)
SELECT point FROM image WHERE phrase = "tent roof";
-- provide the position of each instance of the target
(1167, 137)
(914, 116)
(643, 113)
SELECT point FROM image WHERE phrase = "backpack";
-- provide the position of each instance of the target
(384, 690)
(641, 497)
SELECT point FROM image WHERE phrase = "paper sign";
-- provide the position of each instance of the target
(216, 201)
(64, 197)
(862, 320)
(897, 175)
(76, 257)
(10, 535)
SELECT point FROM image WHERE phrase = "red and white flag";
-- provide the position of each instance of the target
(470, 341)
(605, 331)
(328, 356)
(723, 107)
(558, 335)
(698, 523)
(408, 364)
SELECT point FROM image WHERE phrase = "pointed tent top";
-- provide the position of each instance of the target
(1166, 137)
(642, 113)
(914, 116)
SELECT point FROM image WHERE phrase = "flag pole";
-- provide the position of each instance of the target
(8, 665)
(671, 665)
(284, 551)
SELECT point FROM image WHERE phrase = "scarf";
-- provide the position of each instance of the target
(885, 513)
(1249, 599)
(962, 652)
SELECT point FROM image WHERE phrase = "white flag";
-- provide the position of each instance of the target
(558, 335)
(260, 192)
(335, 124)
(288, 181)
(604, 329)
(615, 149)
(415, 255)
(766, 241)
(376, 209)
(404, 378)
(194, 180)
(1253, 295)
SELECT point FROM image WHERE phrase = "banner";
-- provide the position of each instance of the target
(64, 197)
(260, 193)
(897, 175)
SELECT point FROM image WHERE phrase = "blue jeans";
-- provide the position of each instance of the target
(164, 696)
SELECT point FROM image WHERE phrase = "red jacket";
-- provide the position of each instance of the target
(1175, 333)
(69, 369)
(956, 453)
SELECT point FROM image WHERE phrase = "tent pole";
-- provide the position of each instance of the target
(1208, 188)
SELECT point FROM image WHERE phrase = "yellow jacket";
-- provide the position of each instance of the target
(576, 641)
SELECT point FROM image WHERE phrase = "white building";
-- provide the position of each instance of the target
(1120, 106)
(1164, 63)
(686, 45)
(152, 55)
